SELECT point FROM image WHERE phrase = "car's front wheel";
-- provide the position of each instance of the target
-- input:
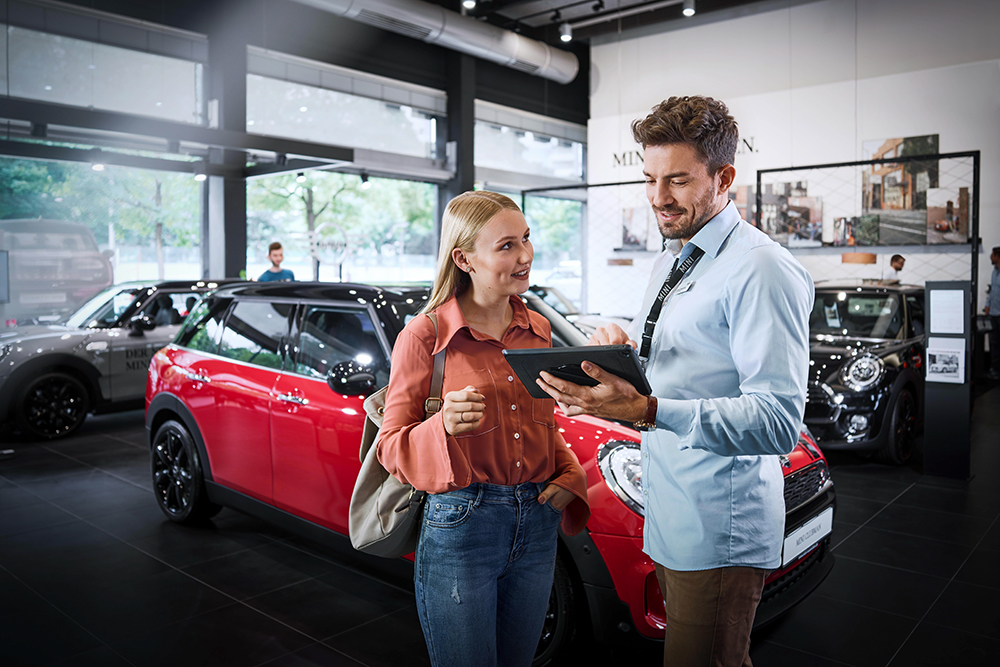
(560, 618)
(178, 480)
(901, 430)
(52, 405)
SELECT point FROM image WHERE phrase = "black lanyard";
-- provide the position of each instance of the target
(674, 277)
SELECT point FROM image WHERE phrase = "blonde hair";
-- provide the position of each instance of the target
(463, 220)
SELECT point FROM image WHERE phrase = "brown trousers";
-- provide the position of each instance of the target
(709, 615)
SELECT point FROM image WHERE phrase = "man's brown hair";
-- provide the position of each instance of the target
(274, 246)
(702, 122)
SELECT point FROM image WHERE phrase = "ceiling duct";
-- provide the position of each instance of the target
(436, 25)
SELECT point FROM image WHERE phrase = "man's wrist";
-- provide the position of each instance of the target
(648, 420)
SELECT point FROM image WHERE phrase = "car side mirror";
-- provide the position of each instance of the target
(108, 253)
(140, 324)
(352, 379)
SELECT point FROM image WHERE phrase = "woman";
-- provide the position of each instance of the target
(498, 473)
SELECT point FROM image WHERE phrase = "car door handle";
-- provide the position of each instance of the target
(289, 398)
(195, 377)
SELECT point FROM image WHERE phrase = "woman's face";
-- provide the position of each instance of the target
(501, 260)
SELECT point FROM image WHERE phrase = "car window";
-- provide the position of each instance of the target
(254, 332)
(201, 331)
(915, 304)
(858, 315)
(103, 310)
(169, 308)
(49, 241)
(333, 335)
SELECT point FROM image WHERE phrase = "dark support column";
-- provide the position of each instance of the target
(227, 195)
(461, 126)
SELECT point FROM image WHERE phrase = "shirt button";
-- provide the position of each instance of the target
(517, 436)
(513, 407)
(518, 464)
(510, 378)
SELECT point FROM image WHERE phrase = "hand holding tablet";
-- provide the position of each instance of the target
(564, 363)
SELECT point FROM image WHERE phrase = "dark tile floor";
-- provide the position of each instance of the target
(92, 574)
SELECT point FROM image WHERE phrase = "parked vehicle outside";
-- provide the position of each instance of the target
(867, 368)
(53, 375)
(54, 267)
(257, 405)
(585, 322)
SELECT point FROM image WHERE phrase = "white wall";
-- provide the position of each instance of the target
(808, 83)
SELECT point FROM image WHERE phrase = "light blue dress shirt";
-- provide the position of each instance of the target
(993, 298)
(728, 365)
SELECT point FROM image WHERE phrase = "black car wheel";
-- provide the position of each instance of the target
(902, 426)
(52, 405)
(560, 618)
(178, 481)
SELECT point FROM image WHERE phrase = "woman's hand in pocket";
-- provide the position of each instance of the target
(556, 497)
(463, 410)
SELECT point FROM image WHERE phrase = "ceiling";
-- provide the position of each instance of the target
(590, 18)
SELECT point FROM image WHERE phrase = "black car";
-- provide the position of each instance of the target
(867, 368)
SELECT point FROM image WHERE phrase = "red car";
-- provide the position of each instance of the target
(256, 405)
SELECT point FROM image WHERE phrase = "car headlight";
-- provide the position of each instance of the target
(620, 462)
(863, 372)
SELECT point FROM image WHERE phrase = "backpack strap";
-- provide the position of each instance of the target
(435, 402)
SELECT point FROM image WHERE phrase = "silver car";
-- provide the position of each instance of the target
(52, 376)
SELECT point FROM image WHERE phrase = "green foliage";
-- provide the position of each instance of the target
(555, 226)
(132, 200)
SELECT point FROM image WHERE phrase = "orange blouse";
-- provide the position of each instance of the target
(518, 440)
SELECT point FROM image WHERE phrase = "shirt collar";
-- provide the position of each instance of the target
(710, 237)
(451, 320)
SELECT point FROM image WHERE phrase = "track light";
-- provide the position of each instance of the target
(365, 183)
(688, 8)
(199, 171)
(598, 6)
(556, 16)
(301, 177)
(469, 4)
(97, 166)
(566, 32)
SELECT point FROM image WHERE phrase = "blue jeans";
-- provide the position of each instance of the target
(483, 574)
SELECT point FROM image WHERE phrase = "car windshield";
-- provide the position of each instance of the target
(61, 240)
(856, 315)
(104, 309)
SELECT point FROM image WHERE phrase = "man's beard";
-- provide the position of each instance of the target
(688, 228)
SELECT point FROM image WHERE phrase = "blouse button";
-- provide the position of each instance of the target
(513, 407)
(517, 436)
(518, 464)
(510, 378)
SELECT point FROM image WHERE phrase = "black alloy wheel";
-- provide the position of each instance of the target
(560, 623)
(902, 427)
(178, 481)
(53, 405)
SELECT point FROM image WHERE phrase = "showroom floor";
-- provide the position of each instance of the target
(91, 573)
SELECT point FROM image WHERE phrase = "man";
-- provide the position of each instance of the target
(993, 310)
(891, 275)
(276, 254)
(727, 360)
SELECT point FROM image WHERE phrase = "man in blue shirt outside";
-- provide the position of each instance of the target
(993, 310)
(727, 358)
(276, 254)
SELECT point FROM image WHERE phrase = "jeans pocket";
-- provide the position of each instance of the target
(553, 509)
(445, 510)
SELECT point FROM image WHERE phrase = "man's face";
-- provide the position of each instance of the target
(898, 264)
(995, 258)
(683, 194)
(276, 256)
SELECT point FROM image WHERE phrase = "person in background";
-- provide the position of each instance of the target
(891, 274)
(728, 362)
(499, 476)
(993, 310)
(276, 254)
